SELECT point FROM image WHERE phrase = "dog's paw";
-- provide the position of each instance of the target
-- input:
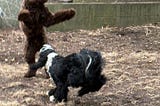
(52, 98)
(50, 92)
(47, 93)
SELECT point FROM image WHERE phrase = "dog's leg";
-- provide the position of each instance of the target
(94, 85)
(50, 93)
(61, 92)
(83, 91)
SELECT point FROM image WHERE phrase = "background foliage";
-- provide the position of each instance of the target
(8, 12)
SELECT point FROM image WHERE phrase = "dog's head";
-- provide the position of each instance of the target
(46, 47)
(46, 50)
(46, 55)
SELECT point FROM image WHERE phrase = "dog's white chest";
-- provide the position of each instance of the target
(49, 60)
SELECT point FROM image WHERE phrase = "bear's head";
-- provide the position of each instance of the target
(33, 13)
(29, 4)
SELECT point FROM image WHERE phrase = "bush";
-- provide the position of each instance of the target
(8, 13)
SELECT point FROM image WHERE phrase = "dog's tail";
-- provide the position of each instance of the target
(96, 64)
(94, 72)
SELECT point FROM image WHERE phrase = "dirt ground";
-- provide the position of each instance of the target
(132, 67)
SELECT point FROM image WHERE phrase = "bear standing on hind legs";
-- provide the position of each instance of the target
(33, 17)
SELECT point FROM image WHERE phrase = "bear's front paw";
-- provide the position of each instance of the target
(71, 12)
(24, 15)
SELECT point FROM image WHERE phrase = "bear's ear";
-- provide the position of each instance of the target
(24, 15)
(37, 1)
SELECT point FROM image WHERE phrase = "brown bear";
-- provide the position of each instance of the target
(33, 17)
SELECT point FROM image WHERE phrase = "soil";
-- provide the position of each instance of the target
(132, 67)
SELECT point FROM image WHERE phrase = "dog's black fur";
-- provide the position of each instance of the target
(81, 69)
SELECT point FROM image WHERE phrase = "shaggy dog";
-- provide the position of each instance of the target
(33, 17)
(81, 69)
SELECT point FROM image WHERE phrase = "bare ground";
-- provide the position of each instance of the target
(132, 67)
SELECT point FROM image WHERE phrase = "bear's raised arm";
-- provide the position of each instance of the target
(59, 16)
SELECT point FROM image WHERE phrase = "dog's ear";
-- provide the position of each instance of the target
(24, 16)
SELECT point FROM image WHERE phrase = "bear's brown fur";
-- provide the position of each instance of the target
(33, 17)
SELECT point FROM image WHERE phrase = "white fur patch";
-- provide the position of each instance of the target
(45, 47)
(89, 63)
(49, 60)
(47, 93)
(51, 98)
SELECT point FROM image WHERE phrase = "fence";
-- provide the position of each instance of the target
(93, 15)
(109, 1)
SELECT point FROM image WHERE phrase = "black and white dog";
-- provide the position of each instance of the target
(81, 69)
